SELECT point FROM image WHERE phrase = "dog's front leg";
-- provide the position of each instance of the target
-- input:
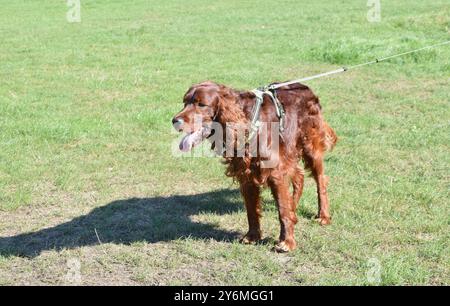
(286, 212)
(251, 194)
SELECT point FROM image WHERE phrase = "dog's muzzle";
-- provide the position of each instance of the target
(178, 124)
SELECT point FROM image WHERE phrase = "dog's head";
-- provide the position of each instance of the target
(202, 106)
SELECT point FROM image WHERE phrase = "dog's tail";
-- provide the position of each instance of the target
(330, 137)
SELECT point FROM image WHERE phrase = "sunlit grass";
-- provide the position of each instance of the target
(85, 112)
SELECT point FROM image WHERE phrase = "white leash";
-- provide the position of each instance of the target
(344, 69)
(270, 89)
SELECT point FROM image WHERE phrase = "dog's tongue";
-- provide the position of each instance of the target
(191, 140)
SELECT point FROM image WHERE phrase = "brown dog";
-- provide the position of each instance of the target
(305, 136)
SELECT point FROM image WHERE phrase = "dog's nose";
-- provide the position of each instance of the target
(177, 123)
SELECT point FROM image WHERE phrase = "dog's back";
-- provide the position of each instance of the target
(300, 100)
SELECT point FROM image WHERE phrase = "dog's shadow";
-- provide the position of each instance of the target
(132, 220)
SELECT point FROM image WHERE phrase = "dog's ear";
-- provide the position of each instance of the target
(228, 107)
(233, 120)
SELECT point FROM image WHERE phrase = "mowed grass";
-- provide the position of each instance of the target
(87, 170)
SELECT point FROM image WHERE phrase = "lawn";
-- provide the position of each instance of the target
(89, 185)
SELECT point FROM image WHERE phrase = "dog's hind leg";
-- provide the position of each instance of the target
(316, 165)
(252, 200)
(297, 185)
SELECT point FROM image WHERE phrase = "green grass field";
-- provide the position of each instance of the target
(87, 173)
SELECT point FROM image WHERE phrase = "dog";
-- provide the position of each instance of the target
(305, 136)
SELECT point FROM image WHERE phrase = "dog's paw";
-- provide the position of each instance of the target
(285, 246)
(323, 220)
(251, 237)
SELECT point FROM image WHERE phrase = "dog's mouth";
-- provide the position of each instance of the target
(194, 138)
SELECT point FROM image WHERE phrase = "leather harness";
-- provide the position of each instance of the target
(255, 122)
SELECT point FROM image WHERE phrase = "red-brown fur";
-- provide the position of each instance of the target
(306, 137)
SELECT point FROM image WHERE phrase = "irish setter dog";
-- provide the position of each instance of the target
(306, 136)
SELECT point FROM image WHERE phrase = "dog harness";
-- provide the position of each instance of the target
(256, 123)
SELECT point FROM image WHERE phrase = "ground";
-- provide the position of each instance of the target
(90, 192)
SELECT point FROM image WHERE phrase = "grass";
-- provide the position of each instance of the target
(85, 142)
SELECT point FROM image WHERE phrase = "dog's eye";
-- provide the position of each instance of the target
(202, 105)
